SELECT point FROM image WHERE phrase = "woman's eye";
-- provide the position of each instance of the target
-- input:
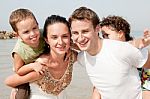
(65, 36)
(54, 37)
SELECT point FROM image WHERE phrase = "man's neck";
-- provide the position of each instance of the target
(96, 47)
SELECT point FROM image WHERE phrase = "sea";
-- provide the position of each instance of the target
(80, 87)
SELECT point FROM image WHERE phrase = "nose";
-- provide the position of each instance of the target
(32, 33)
(80, 38)
(60, 41)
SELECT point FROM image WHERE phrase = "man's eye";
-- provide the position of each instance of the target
(85, 32)
(65, 36)
(75, 33)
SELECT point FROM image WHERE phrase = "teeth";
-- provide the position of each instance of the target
(33, 38)
(82, 43)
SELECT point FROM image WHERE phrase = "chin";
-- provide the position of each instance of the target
(35, 42)
(61, 52)
(83, 48)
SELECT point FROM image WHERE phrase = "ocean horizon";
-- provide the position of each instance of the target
(136, 34)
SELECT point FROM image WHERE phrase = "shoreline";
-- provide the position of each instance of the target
(7, 35)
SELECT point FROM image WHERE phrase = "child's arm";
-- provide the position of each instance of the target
(22, 69)
(147, 64)
(36, 66)
(95, 94)
(15, 80)
(142, 42)
(18, 62)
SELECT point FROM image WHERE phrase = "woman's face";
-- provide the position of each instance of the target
(58, 38)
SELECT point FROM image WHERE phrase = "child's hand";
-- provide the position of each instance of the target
(144, 41)
(41, 72)
(36, 66)
(146, 37)
(138, 43)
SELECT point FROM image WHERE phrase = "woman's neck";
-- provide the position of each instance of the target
(56, 61)
(57, 57)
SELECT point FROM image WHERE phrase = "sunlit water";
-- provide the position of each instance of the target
(5, 65)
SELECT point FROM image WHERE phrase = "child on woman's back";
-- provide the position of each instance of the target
(28, 47)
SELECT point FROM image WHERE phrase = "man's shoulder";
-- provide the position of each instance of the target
(116, 43)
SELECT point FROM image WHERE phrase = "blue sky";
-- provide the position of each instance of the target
(136, 12)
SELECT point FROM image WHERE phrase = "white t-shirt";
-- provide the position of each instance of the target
(113, 71)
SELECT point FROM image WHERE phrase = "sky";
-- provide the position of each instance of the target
(136, 12)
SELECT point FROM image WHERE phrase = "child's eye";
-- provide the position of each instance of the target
(25, 32)
(35, 28)
(104, 35)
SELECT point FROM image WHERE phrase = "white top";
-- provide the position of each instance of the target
(113, 71)
(37, 93)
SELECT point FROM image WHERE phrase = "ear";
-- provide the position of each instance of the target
(16, 34)
(120, 34)
(98, 28)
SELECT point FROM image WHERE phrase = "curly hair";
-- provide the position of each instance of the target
(119, 24)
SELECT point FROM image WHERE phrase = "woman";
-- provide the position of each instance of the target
(53, 71)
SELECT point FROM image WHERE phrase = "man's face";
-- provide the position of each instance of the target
(83, 34)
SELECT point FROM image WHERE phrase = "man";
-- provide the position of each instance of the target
(111, 65)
